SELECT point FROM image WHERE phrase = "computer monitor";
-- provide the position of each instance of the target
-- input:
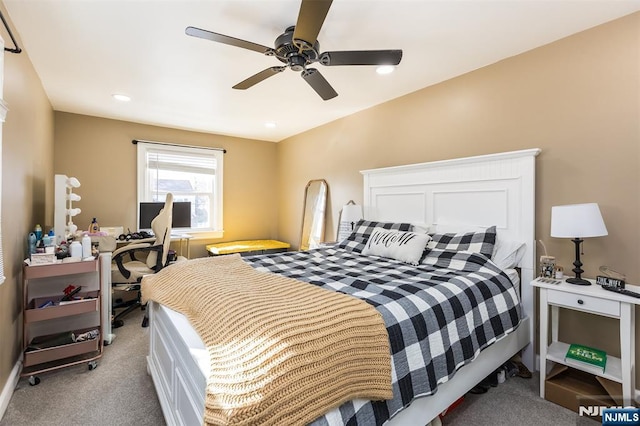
(181, 215)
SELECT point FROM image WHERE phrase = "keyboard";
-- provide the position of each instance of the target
(622, 291)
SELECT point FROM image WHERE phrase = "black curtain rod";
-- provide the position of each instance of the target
(17, 49)
(135, 142)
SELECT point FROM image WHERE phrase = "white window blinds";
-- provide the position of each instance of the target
(189, 173)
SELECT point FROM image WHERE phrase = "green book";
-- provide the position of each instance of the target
(587, 356)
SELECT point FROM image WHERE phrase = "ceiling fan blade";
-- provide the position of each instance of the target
(318, 83)
(221, 38)
(310, 19)
(361, 57)
(257, 78)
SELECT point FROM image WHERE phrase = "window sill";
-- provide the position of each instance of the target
(199, 235)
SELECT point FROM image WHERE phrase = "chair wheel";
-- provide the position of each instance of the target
(92, 365)
(34, 380)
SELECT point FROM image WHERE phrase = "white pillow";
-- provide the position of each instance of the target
(421, 228)
(399, 245)
(507, 253)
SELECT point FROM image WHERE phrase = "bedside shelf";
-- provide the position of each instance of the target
(558, 296)
(613, 371)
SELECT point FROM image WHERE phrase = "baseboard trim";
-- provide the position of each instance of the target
(9, 386)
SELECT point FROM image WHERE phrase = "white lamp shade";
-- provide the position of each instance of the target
(577, 221)
(351, 213)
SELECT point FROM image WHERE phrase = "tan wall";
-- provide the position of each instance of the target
(100, 154)
(577, 99)
(27, 194)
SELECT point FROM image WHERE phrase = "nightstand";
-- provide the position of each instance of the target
(594, 300)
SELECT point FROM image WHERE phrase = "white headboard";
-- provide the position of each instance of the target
(495, 189)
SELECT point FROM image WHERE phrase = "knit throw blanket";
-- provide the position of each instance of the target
(282, 352)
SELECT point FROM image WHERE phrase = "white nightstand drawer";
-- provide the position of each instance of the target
(584, 303)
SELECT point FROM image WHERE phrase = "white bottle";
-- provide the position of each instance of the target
(75, 249)
(86, 246)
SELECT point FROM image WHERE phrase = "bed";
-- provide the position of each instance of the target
(432, 196)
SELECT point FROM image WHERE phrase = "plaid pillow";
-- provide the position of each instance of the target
(362, 231)
(476, 242)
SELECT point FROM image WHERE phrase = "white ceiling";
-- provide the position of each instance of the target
(86, 50)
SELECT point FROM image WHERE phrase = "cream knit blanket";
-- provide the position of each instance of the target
(282, 352)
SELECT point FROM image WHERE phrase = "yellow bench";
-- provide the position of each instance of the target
(248, 247)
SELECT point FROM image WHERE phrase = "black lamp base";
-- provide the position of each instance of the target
(578, 281)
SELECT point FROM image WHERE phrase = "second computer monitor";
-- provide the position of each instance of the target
(181, 214)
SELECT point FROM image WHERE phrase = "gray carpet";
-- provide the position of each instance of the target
(119, 392)
(514, 402)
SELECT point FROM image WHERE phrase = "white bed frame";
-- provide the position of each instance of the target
(497, 189)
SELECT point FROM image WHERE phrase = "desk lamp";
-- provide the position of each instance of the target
(577, 221)
(351, 213)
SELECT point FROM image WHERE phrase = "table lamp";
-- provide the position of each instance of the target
(351, 213)
(577, 221)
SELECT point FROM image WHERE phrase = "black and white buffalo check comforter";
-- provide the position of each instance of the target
(439, 315)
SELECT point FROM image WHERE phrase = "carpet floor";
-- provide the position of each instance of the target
(117, 392)
(120, 392)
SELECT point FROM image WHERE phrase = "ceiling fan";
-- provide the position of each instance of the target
(298, 48)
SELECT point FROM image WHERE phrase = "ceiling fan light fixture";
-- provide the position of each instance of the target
(298, 48)
(120, 97)
(385, 69)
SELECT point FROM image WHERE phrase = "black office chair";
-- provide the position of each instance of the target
(127, 274)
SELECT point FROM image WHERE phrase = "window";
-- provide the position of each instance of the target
(190, 174)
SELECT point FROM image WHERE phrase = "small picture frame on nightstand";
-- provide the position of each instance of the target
(547, 266)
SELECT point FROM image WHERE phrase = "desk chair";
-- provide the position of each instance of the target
(127, 274)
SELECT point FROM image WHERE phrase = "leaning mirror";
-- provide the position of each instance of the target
(313, 214)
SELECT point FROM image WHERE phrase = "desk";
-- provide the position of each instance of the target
(181, 238)
(247, 248)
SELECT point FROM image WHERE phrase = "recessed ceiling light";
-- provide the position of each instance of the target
(385, 69)
(121, 97)
(270, 124)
